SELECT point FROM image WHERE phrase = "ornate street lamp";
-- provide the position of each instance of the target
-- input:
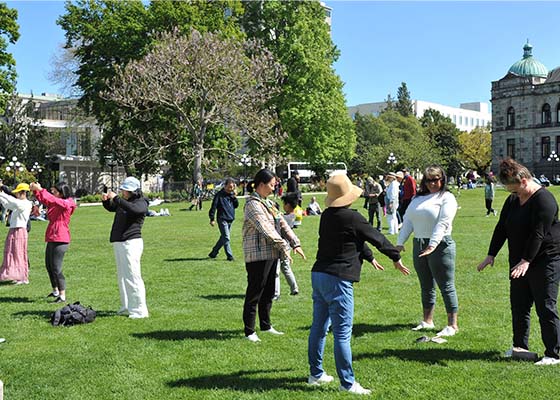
(391, 159)
(553, 157)
(112, 163)
(245, 161)
(15, 166)
(36, 168)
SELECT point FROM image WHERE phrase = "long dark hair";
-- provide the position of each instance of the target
(263, 176)
(63, 189)
(430, 171)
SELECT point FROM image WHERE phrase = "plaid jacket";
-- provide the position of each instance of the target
(261, 239)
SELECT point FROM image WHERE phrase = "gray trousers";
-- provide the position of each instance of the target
(437, 267)
(284, 266)
(54, 255)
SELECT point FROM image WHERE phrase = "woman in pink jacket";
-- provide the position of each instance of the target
(60, 207)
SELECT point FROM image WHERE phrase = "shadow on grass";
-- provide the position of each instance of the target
(186, 259)
(37, 313)
(245, 381)
(434, 356)
(363, 329)
(15, 300)
(222, 296)
(194, 335)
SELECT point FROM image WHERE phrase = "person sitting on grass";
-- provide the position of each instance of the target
(313, 208)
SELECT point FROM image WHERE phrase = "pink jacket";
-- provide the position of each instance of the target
(58, 212)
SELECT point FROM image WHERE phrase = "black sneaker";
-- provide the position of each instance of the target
(231, 259)
(58, 300)
(211, 255)
(51, 294)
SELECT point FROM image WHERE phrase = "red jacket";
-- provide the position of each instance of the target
(58, 212)
(409, 187)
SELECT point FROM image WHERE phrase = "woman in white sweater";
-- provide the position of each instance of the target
(430, 217)
(15, 265)
(392, 203)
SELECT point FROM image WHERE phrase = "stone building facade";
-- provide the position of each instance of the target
(526, 116)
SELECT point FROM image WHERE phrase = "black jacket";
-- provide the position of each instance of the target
(129, 217)
(225, 203)
(342, 234)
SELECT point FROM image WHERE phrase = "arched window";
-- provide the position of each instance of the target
(510, 118)
(546, 117)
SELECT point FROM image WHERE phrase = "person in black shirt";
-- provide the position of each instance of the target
(342, 235)
(126, 236)
(529, 223)
(224, 204)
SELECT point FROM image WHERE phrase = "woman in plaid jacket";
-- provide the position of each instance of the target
(266, 238)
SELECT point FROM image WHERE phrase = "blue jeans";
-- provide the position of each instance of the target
(224, 240)
(333, 302)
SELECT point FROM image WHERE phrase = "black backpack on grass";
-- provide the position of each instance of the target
(73, 314)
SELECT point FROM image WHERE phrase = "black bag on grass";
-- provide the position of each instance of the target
(73, 314)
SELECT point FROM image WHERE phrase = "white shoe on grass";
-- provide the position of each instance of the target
(253, 337)
(356, 389)
(548, 361)
(273, 331)
(323, 379)
(424, 326)
(447, 331)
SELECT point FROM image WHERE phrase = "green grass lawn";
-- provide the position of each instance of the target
(192, 345)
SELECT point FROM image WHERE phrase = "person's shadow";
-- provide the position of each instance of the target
(188, 334)
(433, 356)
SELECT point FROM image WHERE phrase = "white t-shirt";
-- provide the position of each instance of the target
(21, 209)
(429, 217)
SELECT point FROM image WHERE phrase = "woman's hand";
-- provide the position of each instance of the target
(489, 260)
(426, 251)
(35, 186)
(399, 265)
(520, 269)
(377, 266)
(298, 250)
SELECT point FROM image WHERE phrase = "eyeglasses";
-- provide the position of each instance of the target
(432, 180)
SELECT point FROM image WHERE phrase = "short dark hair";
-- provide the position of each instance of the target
(291, 198)
(512, 172)
(228, 181)
(63, 189)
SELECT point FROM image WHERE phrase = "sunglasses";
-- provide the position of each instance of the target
(433, 180)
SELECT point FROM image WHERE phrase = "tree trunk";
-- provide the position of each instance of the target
(198, 157)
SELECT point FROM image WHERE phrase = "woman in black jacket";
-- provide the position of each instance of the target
(128, 245)
(342, 236)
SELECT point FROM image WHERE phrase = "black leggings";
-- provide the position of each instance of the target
(54, 255)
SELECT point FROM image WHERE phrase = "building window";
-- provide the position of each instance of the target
(546, 117)
(510, 150)
(510, 118)
(557, 144)
(460, 120)
(545, 146)
(558, 113)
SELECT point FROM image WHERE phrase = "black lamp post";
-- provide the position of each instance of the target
(112, 164)
(245, 161)
(553, 157)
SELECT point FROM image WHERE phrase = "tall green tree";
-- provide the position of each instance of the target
(311, 106)
(404, 102)
(476, 149)
(445, 137)
(9, 33)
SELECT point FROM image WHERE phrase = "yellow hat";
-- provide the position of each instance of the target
(22, 187)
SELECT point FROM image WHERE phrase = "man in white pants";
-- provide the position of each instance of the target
(126, 236)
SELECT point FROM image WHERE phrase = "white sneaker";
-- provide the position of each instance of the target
(355, 389)
(447, 331)
(253, 338)
(323, 379)
(273, 331)
(424, 326)
(548, 361)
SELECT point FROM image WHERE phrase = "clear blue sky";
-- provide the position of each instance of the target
(446, 52)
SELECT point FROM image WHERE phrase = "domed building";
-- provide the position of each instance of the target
(526, 116)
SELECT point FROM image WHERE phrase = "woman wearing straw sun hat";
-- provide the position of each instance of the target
(15, 266)
(342, 234)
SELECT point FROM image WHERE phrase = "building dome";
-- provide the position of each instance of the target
(528, 66)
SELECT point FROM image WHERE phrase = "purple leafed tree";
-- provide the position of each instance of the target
(203, 81)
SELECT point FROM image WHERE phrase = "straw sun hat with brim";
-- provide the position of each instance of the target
(22, 187)
(391, 175)
(341, 192)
